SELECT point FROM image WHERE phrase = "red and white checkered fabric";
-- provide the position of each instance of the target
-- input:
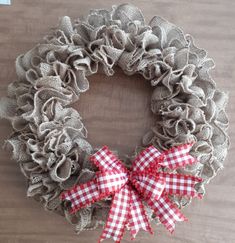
(149, 185)
(146, 159)
(82, 195)
(109, 181)
(178, 156)
(105, 160)
(118, 215)
(131, 187)
(166, 211)
(183, 185)
(138, 219)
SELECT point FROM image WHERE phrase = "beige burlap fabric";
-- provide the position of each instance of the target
(49, 139)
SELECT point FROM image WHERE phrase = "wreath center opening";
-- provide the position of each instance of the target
(116, 110)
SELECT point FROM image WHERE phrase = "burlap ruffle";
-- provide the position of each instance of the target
(49, 138)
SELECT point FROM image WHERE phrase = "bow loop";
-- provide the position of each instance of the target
(148, 159)
(105, 160)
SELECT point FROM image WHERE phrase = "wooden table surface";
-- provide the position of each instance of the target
(24, 23)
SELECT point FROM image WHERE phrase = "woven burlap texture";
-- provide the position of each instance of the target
(49, 140)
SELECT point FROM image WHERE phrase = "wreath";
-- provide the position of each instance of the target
(181, 153)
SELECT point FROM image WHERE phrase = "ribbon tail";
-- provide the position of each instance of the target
(167, 212)
(182, 185)
(138, 218)
(118, 216)
(178, 156)
(82, 195)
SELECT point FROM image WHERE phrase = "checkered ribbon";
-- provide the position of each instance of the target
(144, 182)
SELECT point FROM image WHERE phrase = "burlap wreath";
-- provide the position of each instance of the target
(49, 139)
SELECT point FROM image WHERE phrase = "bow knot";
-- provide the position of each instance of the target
(143, 182)
(149, 186)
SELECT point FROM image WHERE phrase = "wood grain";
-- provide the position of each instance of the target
(116, 112)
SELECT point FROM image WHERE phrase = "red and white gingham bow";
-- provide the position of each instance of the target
(144, 182)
